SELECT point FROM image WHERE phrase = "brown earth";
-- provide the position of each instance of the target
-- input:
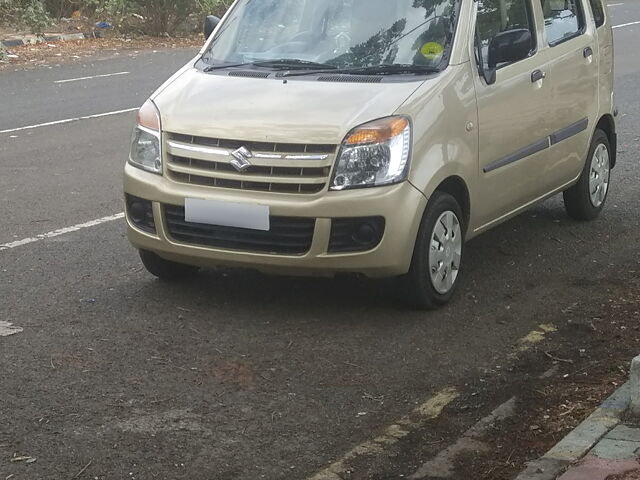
(52, 53)
(557, 384)
(591, 353)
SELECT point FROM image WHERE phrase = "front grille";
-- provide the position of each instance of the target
(274, 167)
(287, 235)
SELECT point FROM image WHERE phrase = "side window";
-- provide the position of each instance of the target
(500, 22)
(598, 12)
(563, 19)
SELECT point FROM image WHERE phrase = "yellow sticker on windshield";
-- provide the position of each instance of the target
(432, 50)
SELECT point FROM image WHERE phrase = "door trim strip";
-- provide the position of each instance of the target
(554, 138)
(519, 155)
(570, 131)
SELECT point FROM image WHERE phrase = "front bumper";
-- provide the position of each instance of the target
(401, 205)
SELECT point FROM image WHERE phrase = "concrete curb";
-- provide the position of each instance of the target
(584, 437)
(33, 39)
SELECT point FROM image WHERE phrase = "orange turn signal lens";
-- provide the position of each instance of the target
(378, 131)
(149, 117)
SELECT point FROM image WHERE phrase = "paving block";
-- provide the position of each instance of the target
(615, 449)
(634, 380)
(13, 43)
(593, 468)
(625, 432)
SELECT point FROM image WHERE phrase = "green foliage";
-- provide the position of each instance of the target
(212, 7)
(31, 14)
(151, 17)
(118, 12)
(3, 53)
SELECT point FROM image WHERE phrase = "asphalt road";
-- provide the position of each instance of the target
(239, 375)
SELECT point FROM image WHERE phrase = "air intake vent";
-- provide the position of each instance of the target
(249, 74)
(350, 78)
(286, 235)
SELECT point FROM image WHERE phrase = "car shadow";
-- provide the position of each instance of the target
(516, 252)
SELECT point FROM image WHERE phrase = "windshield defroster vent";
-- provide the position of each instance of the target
(350, 78)
(244, 73)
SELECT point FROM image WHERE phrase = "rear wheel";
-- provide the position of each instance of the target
(165, 269)
(437, 257)
(586, 199)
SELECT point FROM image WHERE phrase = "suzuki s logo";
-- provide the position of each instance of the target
(241, 158)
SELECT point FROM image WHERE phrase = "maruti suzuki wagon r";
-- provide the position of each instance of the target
(371, 136)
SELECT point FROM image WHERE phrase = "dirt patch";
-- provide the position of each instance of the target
(557, 383)
(590, 357)
(53, 53)
(233, 372)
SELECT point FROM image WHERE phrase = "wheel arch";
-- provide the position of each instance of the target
(457, 188)
(608, 125)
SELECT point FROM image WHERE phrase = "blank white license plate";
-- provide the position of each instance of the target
(226, 214)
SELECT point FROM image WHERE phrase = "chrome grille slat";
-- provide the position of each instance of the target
(275, 167)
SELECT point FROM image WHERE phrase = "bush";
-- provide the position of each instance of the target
(151, 17)
(31, 14)
(213, 7)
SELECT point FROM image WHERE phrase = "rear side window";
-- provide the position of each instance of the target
(563, 19)
(494, 18)
(598, 12)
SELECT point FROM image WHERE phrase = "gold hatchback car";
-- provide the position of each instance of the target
(371, 136)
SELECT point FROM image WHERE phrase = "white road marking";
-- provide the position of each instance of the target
(614, 4)
(626, 24)
(429, 410)
(69, 120)
(92, 77)
(7, 328)
(62, 231)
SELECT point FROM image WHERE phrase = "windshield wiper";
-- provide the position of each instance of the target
(293, 63)
(280, 64)
(394, 69)
(211, 68)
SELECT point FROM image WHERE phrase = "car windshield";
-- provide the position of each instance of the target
(312, 34)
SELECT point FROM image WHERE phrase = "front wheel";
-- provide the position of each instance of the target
(586, 199)
(437, 257)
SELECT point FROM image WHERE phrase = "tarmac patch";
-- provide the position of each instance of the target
(176, 420)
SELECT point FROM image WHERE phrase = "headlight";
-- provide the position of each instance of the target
(374, 154)
(145, 142)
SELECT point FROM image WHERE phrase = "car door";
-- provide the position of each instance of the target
(573, 55)
(512, 111)
(604, 53)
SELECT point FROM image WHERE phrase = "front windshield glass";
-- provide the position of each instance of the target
(336, 33)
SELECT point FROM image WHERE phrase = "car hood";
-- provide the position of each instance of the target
(299, 110)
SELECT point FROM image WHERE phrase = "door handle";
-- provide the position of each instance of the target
(587, 52)
(538, 75)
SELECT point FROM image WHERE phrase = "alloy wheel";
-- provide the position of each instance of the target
(445, 252)
(599, 176)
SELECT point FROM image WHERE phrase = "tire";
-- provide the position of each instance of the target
(581, 201)
(443, 218)
(165, 269)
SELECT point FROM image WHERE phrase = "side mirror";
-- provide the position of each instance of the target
(509, 46)
(210, 24)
